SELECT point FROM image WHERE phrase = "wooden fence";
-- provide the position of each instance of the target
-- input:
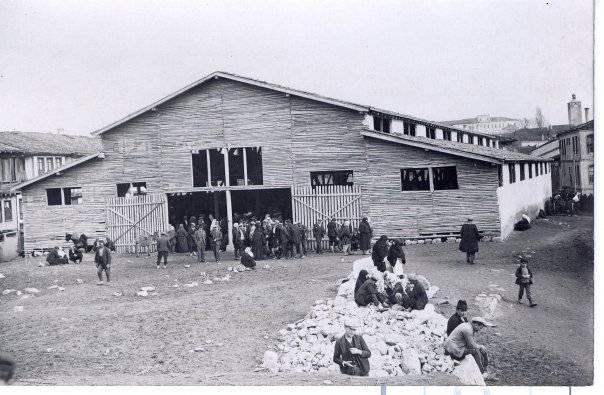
(131, 218)
(323, 203)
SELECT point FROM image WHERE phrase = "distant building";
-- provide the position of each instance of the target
(577, 158)
(24, 156)
(490, 125)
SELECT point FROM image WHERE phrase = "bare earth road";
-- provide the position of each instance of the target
(86, 335)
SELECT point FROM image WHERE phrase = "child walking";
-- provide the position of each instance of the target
(524, 279)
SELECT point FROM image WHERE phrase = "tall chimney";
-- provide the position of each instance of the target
(586, 114)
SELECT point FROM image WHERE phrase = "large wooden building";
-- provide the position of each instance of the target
(229, 144)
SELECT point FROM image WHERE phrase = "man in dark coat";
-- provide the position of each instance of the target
(332, 234)
(368, 293)
(54, 258)
(163, 247)
(524, 280)
(365, 234)
(257, 240)
(102, 259)
(417, 297)
(75, 255)
(303, 230)
(351, 352)
(247, 258)
(459, 317)
(318, 232)
(395, 252)
(469, 240)
(380, 251)
(181, 239)
(200, 243)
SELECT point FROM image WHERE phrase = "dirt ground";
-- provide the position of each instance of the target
(86, 335)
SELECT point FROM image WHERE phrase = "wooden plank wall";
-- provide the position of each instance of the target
(149, 210)
(323, 203)
(413, 213)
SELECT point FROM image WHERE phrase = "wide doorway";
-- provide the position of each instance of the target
(256, 203)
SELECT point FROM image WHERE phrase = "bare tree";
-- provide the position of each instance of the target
(539, 118)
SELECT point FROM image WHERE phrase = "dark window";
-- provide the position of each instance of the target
(255, 175)
(217, 167)
(408, 128)
(200, 169)
(53, 196)
(522, 176)
(578, 175)
(546, 165)
(381, 124)
(447, 135)
(415, 179)
(480, 140)
(459, 137)
(590, 175)
(512, 172)
(500, 175)
(445, 178)
(328, 178)
(8, 211)
(72, 196)
(131, 189)
(430, 132)
(590, 143)
(530, 166)
(236, 167)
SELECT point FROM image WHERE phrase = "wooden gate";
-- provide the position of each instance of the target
(130, 218)
(322, 203)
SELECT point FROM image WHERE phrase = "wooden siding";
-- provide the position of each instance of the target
(412, 213)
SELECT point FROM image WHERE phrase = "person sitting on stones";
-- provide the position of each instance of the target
(247, 258)
(360, 280)
(395, 291)
(461, 343)
(368, 294)
(351, 352)
(379, 252)
(417, 298)
(75, 255)
(459, 317)
(56, 258)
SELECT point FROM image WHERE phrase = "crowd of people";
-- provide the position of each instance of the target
(569, 202)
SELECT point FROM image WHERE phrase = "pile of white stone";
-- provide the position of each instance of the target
(400, 342)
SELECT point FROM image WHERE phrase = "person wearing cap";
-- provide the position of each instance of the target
(332, 234)
(200, 243)
(461, 343)
(524, 280)
(163, 247)
(469, 240)
(459, 317)
(351, 352)
(318, 232)
(102, 259)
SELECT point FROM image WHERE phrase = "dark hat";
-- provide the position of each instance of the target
(523, 260)
(462, 305)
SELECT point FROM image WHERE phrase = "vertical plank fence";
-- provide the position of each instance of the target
(130, 218)
(322, 203)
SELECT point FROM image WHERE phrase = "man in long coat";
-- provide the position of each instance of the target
(318, 231)
(365, 234)
(380, 251)
(351, 352)
(469, 240)
(332, 234)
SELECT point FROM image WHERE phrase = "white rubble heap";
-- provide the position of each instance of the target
(400, 342)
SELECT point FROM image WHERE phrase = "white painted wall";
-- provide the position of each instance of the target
(397, 126)
(439, 134)
(13, 223)
(522, 197)
(420, 130)
(368, 121)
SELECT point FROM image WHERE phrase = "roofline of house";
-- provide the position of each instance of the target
(582, 126)
(428, 146)
(57, 171)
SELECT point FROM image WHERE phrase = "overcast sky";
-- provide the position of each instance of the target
(79, 66)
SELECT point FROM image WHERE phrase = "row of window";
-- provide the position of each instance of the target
(571, 145)
(73, 195)
(418, 179)
(533, 168)
(49, 163)
(6, 211)
(8, 169)
(382, 124)
(245, 166)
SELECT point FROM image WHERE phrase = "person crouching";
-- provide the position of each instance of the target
(247, 259)
(351, 352)
(368, 294)
(75, 255)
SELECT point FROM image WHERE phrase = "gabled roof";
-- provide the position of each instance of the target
(58, 170)
(280, 88)
(35, 143)
(239, 78)
(471, 151)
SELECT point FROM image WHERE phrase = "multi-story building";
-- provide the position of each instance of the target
(24, 156)
(577, 158)
(490, 125)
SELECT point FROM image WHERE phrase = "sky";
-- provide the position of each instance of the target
(81, 65)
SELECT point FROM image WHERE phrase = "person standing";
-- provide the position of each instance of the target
(396, 254)
(379, 252)
(345, 235)
(318, 232)
(524, 280)
(351, 352)
(332, 234)
(216, 240)
(469, 240)
(257, 240)
(461, 343)
(181, 239)
(200, 243)
(102, 259)
(303, 235)
(365, 235)
(459, 317)
(237, 241)
(163, 247)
